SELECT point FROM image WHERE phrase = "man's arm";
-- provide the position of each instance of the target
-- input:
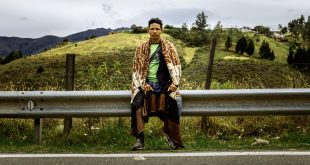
(135, 77)
(174, 68)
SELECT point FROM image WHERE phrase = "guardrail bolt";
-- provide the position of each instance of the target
(30, 105)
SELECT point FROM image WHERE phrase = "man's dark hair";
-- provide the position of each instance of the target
(156, 20)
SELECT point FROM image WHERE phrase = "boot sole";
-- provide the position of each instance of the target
(167, 141)
(139, 148)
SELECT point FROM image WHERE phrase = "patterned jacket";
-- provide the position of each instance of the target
(141, 63)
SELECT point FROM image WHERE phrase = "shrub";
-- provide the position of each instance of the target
(228, 43)
(138, 29)
(241, 45)
(14, 55)
(299, 58)
(40, 69)
(265, 52)
(250, 47)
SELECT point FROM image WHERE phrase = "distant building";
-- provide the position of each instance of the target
(278, 36)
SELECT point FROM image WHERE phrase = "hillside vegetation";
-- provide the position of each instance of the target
(114, 53)
(105, 63)
(22, 74)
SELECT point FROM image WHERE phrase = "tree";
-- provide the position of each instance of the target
(132, 27)
(241, 45)
(197, 38)
(265, 52)
(296, 26)
(184, 27)
(306, 34)
(168, 26)
(284, 30)
(12, 56)
(92, 36)
(250, 47)
(218, 29)
(137, 29)
(262, 30)
(193, 28)
(228, 43)
(290, 57)
(271, 56)
(201, 21)
(65, 40)
(299, 57)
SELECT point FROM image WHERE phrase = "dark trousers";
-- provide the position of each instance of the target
(143, 107)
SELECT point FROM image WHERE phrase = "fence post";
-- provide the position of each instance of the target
(37, 130)
(204, 119)
(70, 67)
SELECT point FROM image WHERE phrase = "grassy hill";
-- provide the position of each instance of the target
(237, 71)
(22, 74)
(104, 63)
(108, 60)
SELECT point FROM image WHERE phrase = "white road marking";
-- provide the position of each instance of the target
(144, 155)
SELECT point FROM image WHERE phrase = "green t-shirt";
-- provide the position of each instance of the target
(154, 64)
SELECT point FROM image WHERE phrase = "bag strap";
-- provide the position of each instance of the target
(156, 51)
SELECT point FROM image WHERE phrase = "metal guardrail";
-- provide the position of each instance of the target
(41, 104)
(54, 104)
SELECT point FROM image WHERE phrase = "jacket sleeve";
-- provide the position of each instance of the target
(175, 67)
(135, 83)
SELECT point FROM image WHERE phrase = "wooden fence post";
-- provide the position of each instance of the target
(69, 84)
(204, 119)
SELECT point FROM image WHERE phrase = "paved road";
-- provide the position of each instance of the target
(229, 158)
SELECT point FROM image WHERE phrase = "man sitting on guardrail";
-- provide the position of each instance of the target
(155, 79)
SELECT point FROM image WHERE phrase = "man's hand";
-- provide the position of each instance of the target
(172, 88)
(147, 87)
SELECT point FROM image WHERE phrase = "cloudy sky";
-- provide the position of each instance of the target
(36, 18)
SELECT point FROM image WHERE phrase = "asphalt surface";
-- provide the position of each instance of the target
(229, 158)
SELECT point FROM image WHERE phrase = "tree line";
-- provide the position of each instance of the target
(299, 51)
(246, 45)
(14, 55)
(198, 35)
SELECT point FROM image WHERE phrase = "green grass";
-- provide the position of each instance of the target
(281, 49)
(22, 74)
(105, 63)
(111, 136)
(249, 73)
(189, 54)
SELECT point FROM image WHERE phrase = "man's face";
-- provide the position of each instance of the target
(155, 31)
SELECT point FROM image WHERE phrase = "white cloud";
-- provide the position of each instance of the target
(36, 18)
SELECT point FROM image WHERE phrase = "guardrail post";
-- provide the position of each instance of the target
(204, 119)
(37, 130)
(70, 67)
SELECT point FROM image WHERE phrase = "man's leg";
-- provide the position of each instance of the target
(137, 121)
(172, 125)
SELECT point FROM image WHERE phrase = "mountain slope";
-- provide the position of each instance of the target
(8, 44)
(83, 35)
(104, 63)
(33, 46)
